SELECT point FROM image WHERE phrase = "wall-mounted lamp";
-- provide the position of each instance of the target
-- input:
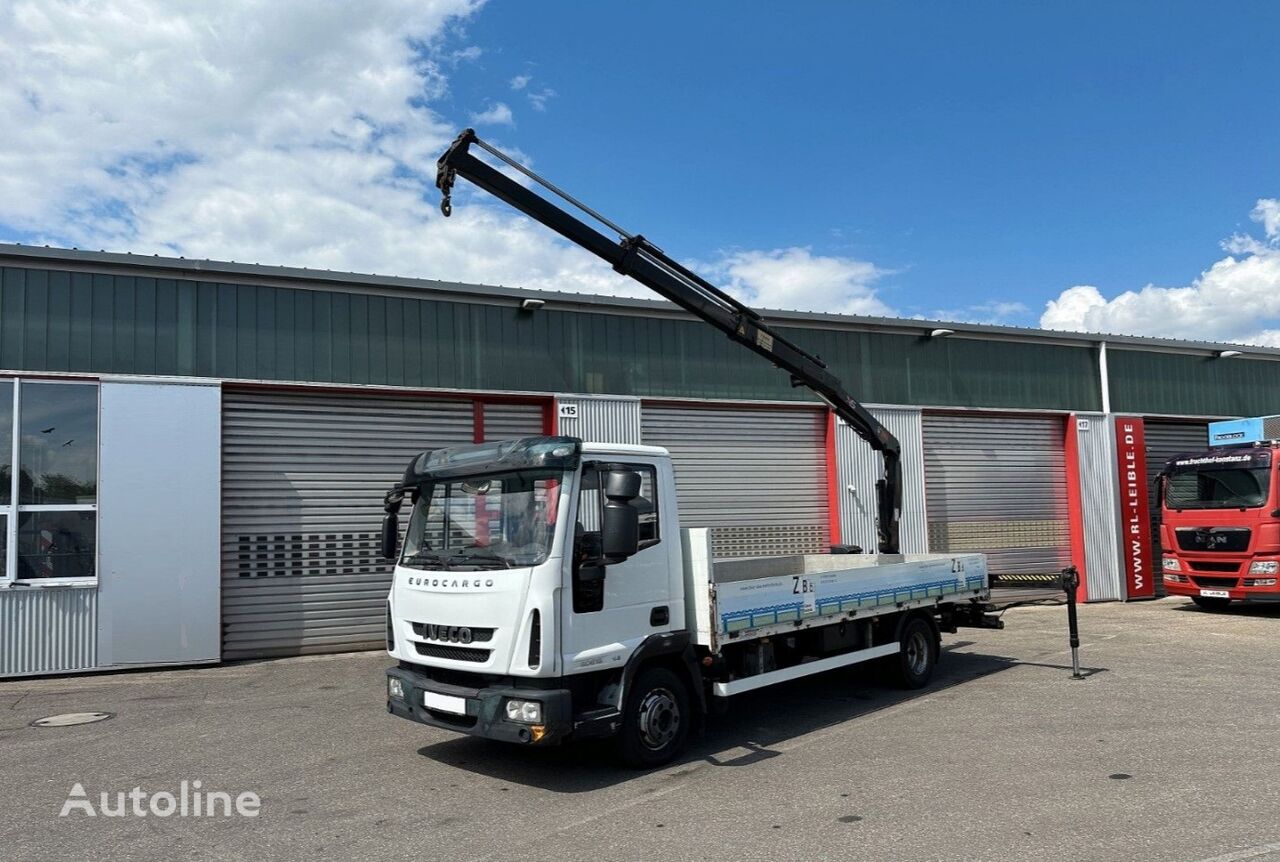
(532, 304)
(1227, 354)
(941, 333)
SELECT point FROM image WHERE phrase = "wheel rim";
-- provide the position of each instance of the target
(917, 653)
(659, 718)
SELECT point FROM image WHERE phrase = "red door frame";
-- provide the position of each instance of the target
(1075, 505)
(834, 529)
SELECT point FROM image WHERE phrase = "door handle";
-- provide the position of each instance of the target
(659, 616)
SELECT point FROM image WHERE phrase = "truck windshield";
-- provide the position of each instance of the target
(1218, 487)
(492, 521)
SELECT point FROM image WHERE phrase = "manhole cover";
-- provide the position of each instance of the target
(67, 719)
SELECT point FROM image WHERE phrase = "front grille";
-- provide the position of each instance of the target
(1203, 566)
(442, 633)
(453, 653)
(1213, 538)
(1215, 583)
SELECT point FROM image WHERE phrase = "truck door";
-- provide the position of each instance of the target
(610, 610)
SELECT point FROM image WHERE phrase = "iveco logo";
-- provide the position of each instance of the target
(457, 634)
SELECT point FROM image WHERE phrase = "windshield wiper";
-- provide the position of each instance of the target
(426, 557)
(476, 554)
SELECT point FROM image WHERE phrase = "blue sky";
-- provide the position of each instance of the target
(988, 151)
(1107, 167)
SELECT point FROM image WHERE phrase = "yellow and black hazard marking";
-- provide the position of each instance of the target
(1044, 580)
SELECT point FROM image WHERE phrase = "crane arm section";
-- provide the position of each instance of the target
(635, 256)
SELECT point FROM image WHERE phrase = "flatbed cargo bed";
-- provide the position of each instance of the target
(743, 599)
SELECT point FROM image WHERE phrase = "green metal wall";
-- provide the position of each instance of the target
(71, 321)
(1145, 382)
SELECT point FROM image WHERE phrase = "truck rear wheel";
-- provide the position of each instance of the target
(913, 666)
(655, 721)
(1211, 604)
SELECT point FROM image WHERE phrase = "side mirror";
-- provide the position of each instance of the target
(620, 524)
(390, 536)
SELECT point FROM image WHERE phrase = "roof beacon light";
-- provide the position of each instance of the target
(1237, 432)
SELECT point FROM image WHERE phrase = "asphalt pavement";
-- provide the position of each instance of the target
(1169, 750)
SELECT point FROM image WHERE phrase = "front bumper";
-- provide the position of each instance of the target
(1236, 594)
(485, 709)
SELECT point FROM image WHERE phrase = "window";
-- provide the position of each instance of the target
(48, 480)
(1228, 480)
(1219, 489)
(646, 503)
(6, 473)
(495, 520)
(588, 582)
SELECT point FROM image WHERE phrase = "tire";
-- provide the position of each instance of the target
(914, 664)
(1211, 604)
(656, 718)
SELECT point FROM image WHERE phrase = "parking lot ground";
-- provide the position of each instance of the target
(1170, 750)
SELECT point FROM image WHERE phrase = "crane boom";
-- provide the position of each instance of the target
(635, 256)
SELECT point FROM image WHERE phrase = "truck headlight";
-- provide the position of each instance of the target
(1264, 567)
(526, 711)
(395, 688)
(1171, 564)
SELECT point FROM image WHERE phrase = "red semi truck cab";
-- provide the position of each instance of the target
(1220, 523)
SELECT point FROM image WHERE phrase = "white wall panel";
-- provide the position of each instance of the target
(599, 419)
(158, 524)
(861, 466)
(47, 629)
(1099, 506)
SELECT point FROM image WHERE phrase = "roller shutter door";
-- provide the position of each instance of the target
(998, 484)
(303, 480)
(758, 473)
(1164, 440)
(508, 421)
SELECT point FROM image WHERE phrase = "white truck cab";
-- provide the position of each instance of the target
(545, 591)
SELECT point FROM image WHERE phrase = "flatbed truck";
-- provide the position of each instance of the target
(546, 590)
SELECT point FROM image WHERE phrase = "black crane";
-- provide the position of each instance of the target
(633, 255)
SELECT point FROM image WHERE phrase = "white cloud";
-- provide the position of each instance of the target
(796, 278)
(539, 99)
(1267, 213)
(291, 133)
(497, 114)
(119, 102)
(1235, 299)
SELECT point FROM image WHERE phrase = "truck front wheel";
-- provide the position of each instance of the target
(655, 722)
(913, 666)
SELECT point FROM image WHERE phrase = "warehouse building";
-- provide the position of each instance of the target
(193, 453)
